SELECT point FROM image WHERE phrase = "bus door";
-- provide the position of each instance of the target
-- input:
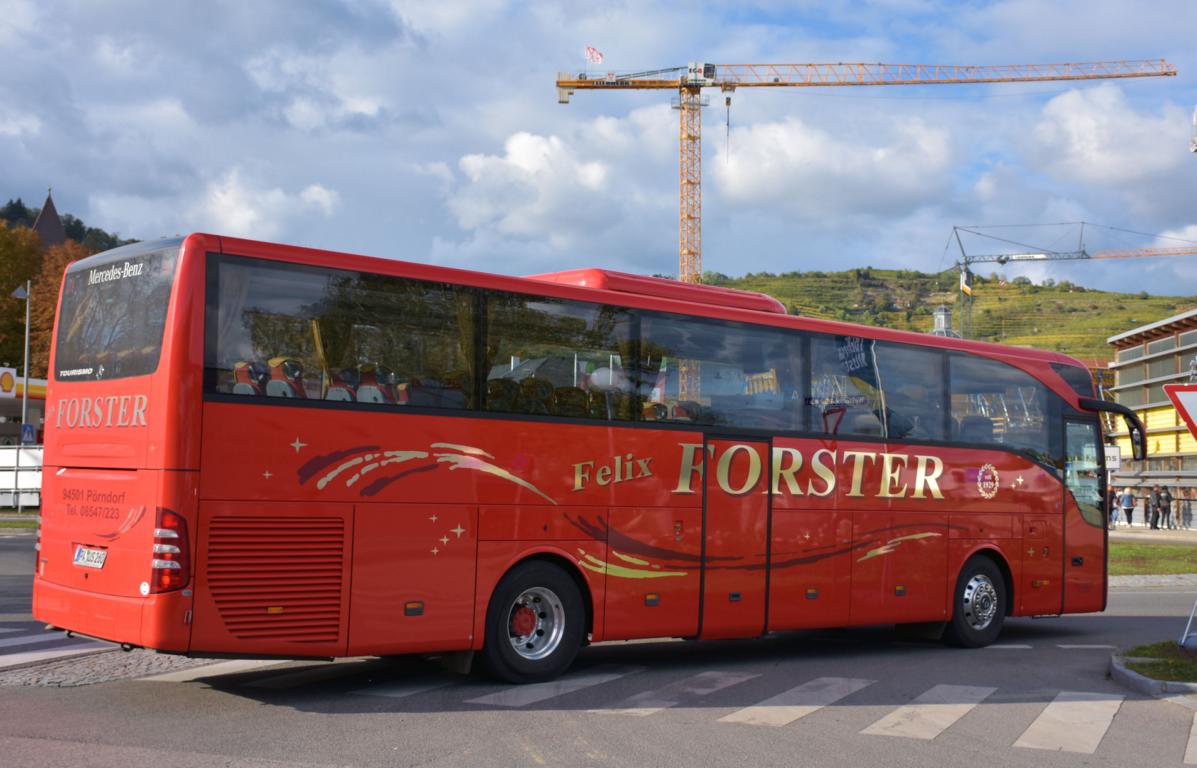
(736, 509)
(1084, 518)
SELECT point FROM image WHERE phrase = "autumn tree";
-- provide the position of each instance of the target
(20, 256)
(46, 286)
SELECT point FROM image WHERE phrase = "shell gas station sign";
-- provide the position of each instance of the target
(8, 382)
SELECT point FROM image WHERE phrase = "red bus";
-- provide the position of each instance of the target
(265, 450)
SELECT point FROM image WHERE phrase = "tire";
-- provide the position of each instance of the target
(534, 624)
(978, 605)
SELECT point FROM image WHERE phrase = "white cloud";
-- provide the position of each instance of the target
(321, 198)
(17, 17)
(1095, 136)
(324, 89)
(809, 172)
(232, 205)
(536, 188)
(13, 123)
(437, 16)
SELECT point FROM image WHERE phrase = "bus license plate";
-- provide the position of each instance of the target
(90, 558)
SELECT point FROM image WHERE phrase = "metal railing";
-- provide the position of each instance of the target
(20, 475)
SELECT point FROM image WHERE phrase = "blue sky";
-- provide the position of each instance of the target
(430, 131)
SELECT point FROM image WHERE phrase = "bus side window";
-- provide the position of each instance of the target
(995, 403)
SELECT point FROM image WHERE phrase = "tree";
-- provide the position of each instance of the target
(20, 256)
(17, 214)
(44, 302)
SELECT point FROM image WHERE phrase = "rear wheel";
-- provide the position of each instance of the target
(534, 624)
(979, 605)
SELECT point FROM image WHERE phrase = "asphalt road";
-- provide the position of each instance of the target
(853, 697)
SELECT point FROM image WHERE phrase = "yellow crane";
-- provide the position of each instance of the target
(690, 80)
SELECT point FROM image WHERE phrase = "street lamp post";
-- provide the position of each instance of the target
(22, 292)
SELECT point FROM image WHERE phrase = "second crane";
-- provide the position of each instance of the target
(689, 82)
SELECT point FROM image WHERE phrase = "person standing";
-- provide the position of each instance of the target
(1165, 508)
(1128, 506)
(1112, 507)
(1186, 509)
(1153, 508)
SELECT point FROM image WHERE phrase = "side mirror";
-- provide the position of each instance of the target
(1138, 434)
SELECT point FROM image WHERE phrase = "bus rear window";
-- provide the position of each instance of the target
(113, 313)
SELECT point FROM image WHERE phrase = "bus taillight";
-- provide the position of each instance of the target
(171, 566)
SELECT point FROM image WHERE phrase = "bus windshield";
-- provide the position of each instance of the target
(113, 313)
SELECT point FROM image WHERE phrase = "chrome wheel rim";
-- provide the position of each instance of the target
(536, 623)
(980, 602)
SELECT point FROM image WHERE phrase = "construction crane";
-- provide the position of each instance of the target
(690, 80)
(966, 260)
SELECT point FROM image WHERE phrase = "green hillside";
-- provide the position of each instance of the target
(1059, 316)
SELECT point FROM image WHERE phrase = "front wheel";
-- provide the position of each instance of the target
(534, 624)
(979, 605)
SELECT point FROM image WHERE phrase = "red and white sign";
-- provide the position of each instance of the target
(1184, 397)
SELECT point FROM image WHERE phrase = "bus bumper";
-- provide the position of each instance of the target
(161, 622)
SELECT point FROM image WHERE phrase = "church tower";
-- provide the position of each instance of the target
(48, 225)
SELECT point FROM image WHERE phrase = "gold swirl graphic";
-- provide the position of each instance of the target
(893, 544)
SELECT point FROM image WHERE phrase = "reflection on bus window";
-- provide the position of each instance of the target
(292, 331)
(552, 357)
(996, 403)
(113, 314)
(914, 391)
(845, 394)
(1082, 470)
(720, 373)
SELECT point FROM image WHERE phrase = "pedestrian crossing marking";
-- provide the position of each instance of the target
(798, 702)
(403, 689)
(304, 675)
(523, 695)
(17, 659)
(213, 670)
(933, 712)
(1074, 721)
(650, 702)
(47, 637)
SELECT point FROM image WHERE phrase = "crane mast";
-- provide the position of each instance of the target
(690, 80)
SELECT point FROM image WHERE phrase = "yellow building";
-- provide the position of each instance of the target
(1145, 359)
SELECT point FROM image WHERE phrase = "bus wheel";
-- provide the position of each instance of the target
(534, 624)
(979, 605)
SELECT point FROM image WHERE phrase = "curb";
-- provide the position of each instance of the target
(1161, 580)
(43, 662)
(1128, 678)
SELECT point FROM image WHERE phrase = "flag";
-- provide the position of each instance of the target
(594, 55)
(966, 282)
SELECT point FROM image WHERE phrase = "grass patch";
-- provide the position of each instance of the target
(1171, 662)
(18, 523)
(1141, 559)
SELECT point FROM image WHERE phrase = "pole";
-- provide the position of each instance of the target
(24, 399)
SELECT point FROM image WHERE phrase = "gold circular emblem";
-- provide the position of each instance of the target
(987, 481)
(8, 382)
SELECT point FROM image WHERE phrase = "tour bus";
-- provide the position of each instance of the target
(265, 450)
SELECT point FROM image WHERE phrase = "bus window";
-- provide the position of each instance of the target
(289, 330)
(993, 402)
(1082, 470)
(914, 391)
(113, 314)
(845, 391)
(721, 373)
(562, 358)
